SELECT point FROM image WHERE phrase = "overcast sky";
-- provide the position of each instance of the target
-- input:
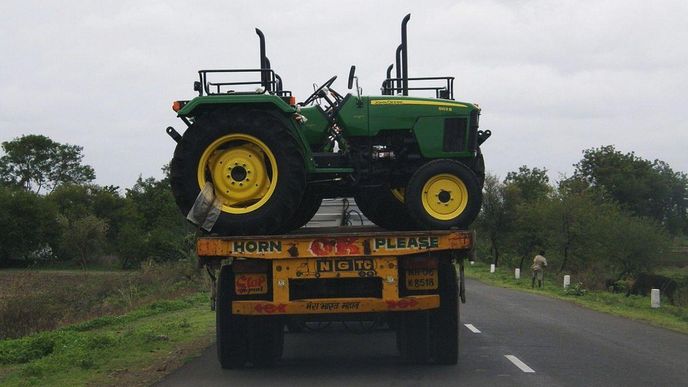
(552, 77)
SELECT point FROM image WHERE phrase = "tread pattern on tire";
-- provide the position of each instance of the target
(414, 192)
(230, 330)
(445, 320)
(267, 127)
(379, 205)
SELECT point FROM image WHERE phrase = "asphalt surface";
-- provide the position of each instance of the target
(562, 344)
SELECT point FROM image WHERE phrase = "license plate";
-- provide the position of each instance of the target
(246, 284)
(421, 279)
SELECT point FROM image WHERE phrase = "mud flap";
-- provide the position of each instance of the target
(206, 208)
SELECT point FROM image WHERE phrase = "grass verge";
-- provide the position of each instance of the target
(136, 348)
(633, 307)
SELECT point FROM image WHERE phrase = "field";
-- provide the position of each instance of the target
(37, 300)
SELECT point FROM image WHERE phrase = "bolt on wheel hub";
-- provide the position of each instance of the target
(243, 171)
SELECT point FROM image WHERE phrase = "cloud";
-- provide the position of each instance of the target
(553, 78)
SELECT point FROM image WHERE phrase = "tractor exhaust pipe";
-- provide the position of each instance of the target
(397, 84)
(386, 87)
(264, 63)
(404, 54)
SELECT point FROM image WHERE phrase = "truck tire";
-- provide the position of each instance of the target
(265, 340)
(384, 207)
(443, 194)
(230, 330)
(310, 203)
(445, 320)
(413, 337)
(254, 163)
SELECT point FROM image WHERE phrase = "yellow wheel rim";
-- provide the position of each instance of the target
(399, 193)
(444, 196)
(243, 172)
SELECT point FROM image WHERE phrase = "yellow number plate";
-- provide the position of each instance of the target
(245, 284)
(421, 279)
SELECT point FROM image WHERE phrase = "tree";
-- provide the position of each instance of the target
(530, 190)
(159, 229)
(28, 223)
(497, 213)
(631, 244)
(35, 162)
(83, 238)
(533, 184)
(646, 188)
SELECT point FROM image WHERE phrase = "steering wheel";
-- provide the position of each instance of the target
(317, 93)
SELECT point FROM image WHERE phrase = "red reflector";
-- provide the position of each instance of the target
(176, 106)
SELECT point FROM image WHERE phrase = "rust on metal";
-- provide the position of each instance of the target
(336, 244)
(336, 305)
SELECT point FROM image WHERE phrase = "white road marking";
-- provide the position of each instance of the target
(472, 328)
(518, 363)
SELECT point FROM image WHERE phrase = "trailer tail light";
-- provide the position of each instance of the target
(418, 275)
(251, 277)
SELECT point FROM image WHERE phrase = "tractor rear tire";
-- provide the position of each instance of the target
(443, 194)
(255, 164)
(382, 207)
(230, 330)
(310, 203)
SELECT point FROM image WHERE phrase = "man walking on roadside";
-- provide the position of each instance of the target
(538, 268)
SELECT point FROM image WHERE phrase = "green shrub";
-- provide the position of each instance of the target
(576, 289)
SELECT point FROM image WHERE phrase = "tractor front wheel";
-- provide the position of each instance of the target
(443, 194)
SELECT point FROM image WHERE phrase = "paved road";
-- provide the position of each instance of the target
(563, 344)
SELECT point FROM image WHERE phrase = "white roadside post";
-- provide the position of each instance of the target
(492, 268)
(517, 273)
(567, 281)
(654, 298)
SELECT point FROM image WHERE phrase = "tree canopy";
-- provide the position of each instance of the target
(35, 163)
(646, 188)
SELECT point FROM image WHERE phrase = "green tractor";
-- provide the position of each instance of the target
(257, 162)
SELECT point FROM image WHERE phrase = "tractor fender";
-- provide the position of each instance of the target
(270, 104)
(209, 102)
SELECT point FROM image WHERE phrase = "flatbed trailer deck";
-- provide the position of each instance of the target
(408, 277)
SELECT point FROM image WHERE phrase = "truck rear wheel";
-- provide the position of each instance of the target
(445, 320)
(442, 194)
(385, 207)
(413, 337)
(230, 330)
(254, 164)
(266, 340)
